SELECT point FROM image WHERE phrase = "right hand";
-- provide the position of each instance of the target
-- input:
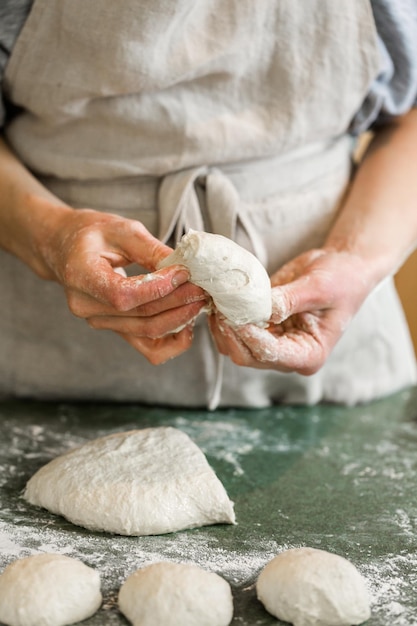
(314, 298)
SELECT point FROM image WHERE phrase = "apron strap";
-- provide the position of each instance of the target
(180, 208)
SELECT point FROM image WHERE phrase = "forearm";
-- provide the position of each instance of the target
(29, 213)
(378, 221)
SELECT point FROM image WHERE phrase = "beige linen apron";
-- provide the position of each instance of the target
(229, 116)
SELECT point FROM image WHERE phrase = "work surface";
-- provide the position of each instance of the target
(340, 479)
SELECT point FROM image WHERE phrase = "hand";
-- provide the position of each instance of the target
(316, 295)
(153, 312)
(314, 298)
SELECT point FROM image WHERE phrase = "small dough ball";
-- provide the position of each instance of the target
(149, 481)
(309, 587)
(172, 594)
(48, 590)
(235, 279)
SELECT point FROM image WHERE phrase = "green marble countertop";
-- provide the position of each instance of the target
(339, 479)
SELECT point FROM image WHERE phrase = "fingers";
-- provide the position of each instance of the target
(103, 291)
(154, 312)
(292, 351)
(229, 344)
(116, 237)
(313, 300)
(187, 293)
(319, 280)
(151, 327)
(142, 247)
(295, 348)
(89, 247)
(158, 351)
(307, 293)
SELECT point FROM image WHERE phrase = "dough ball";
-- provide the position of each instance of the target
(141, 482)
(309, 587)
(48, 590)
(173, 594)
(235, 279)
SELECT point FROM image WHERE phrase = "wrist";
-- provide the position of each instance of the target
(373, 259)
(29, 214)
(41, 220)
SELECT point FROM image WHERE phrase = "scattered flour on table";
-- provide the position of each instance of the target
(241, 440)
(208, 435)
(390, 587)
(116, 557)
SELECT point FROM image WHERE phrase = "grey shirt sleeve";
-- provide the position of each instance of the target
(393, 92)
(13, 14)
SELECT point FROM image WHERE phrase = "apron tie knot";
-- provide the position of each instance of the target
(203, 198)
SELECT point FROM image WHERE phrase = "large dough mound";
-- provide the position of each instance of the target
(310, 587)
(141, 482)
(234, 278)
(173, 594)
(48, 590)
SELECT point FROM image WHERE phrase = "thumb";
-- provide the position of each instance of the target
(301, 295)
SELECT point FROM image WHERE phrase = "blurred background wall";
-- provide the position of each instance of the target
(406, 283)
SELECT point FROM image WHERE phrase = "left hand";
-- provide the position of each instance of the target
(314, 298)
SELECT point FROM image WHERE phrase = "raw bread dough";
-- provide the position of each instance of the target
(309, 587)
(141, 482)
(234, 278)
(173, 594)
(48, 589)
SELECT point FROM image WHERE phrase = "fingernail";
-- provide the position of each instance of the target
(180, 277)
